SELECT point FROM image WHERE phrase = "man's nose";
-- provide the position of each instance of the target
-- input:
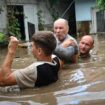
(58, 30)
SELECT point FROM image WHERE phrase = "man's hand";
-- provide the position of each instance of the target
(67, 43)
(13, 44)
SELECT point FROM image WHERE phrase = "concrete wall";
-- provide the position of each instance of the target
(21, 1)
(84, 20)
(3, 18)
(30, 15)
(30, 9)
(98, 20)
(47, 18)
(83, 9)
(94, 20)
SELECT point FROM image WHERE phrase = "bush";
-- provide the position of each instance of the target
(2, 37)
(3, 40)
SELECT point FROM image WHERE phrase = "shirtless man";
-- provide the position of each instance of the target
(85, 45)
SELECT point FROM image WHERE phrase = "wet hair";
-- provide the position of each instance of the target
(45, 40)
(92, 39)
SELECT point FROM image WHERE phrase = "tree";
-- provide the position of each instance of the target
(101, 4)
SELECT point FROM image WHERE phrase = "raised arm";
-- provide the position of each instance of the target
(6, 77)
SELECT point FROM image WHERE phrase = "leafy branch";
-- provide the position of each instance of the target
(13, 24)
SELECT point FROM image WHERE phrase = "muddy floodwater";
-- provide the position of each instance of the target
(78, 84)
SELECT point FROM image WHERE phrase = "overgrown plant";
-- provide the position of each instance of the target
(51, 5)
(2, 37)
(100, 4)
(40, 20)
(13, 24)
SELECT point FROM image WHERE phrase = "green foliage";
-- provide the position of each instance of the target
(2, 37)
(55, 14)
(53, 2)
(3, 40)
(40, 20)
(101, 4)
(53, 8)
(13, 25)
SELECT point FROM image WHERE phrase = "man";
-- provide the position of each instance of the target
(67, 47)
(40, 73)
(85, 45)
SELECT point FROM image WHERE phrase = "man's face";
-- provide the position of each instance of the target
(60, 30)
(85, 45)
(35, 51)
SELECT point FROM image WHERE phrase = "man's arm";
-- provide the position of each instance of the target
(64, 53)
(6, 76)
(66, 50)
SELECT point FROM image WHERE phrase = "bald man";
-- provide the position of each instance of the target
(67, 47)
(85, 45)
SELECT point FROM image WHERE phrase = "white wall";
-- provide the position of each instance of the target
(45, 12)
(94, 20)
(30, 12)
(21, 1)
(3, 18)
(83, 9)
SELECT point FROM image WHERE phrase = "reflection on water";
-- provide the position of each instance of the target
(78, 84)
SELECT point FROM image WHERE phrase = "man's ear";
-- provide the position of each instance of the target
(40, 51)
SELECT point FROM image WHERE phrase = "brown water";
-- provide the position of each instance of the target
(79, 84)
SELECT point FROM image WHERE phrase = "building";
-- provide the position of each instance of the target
(83, 10)
(32, 12)
(26, 11)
